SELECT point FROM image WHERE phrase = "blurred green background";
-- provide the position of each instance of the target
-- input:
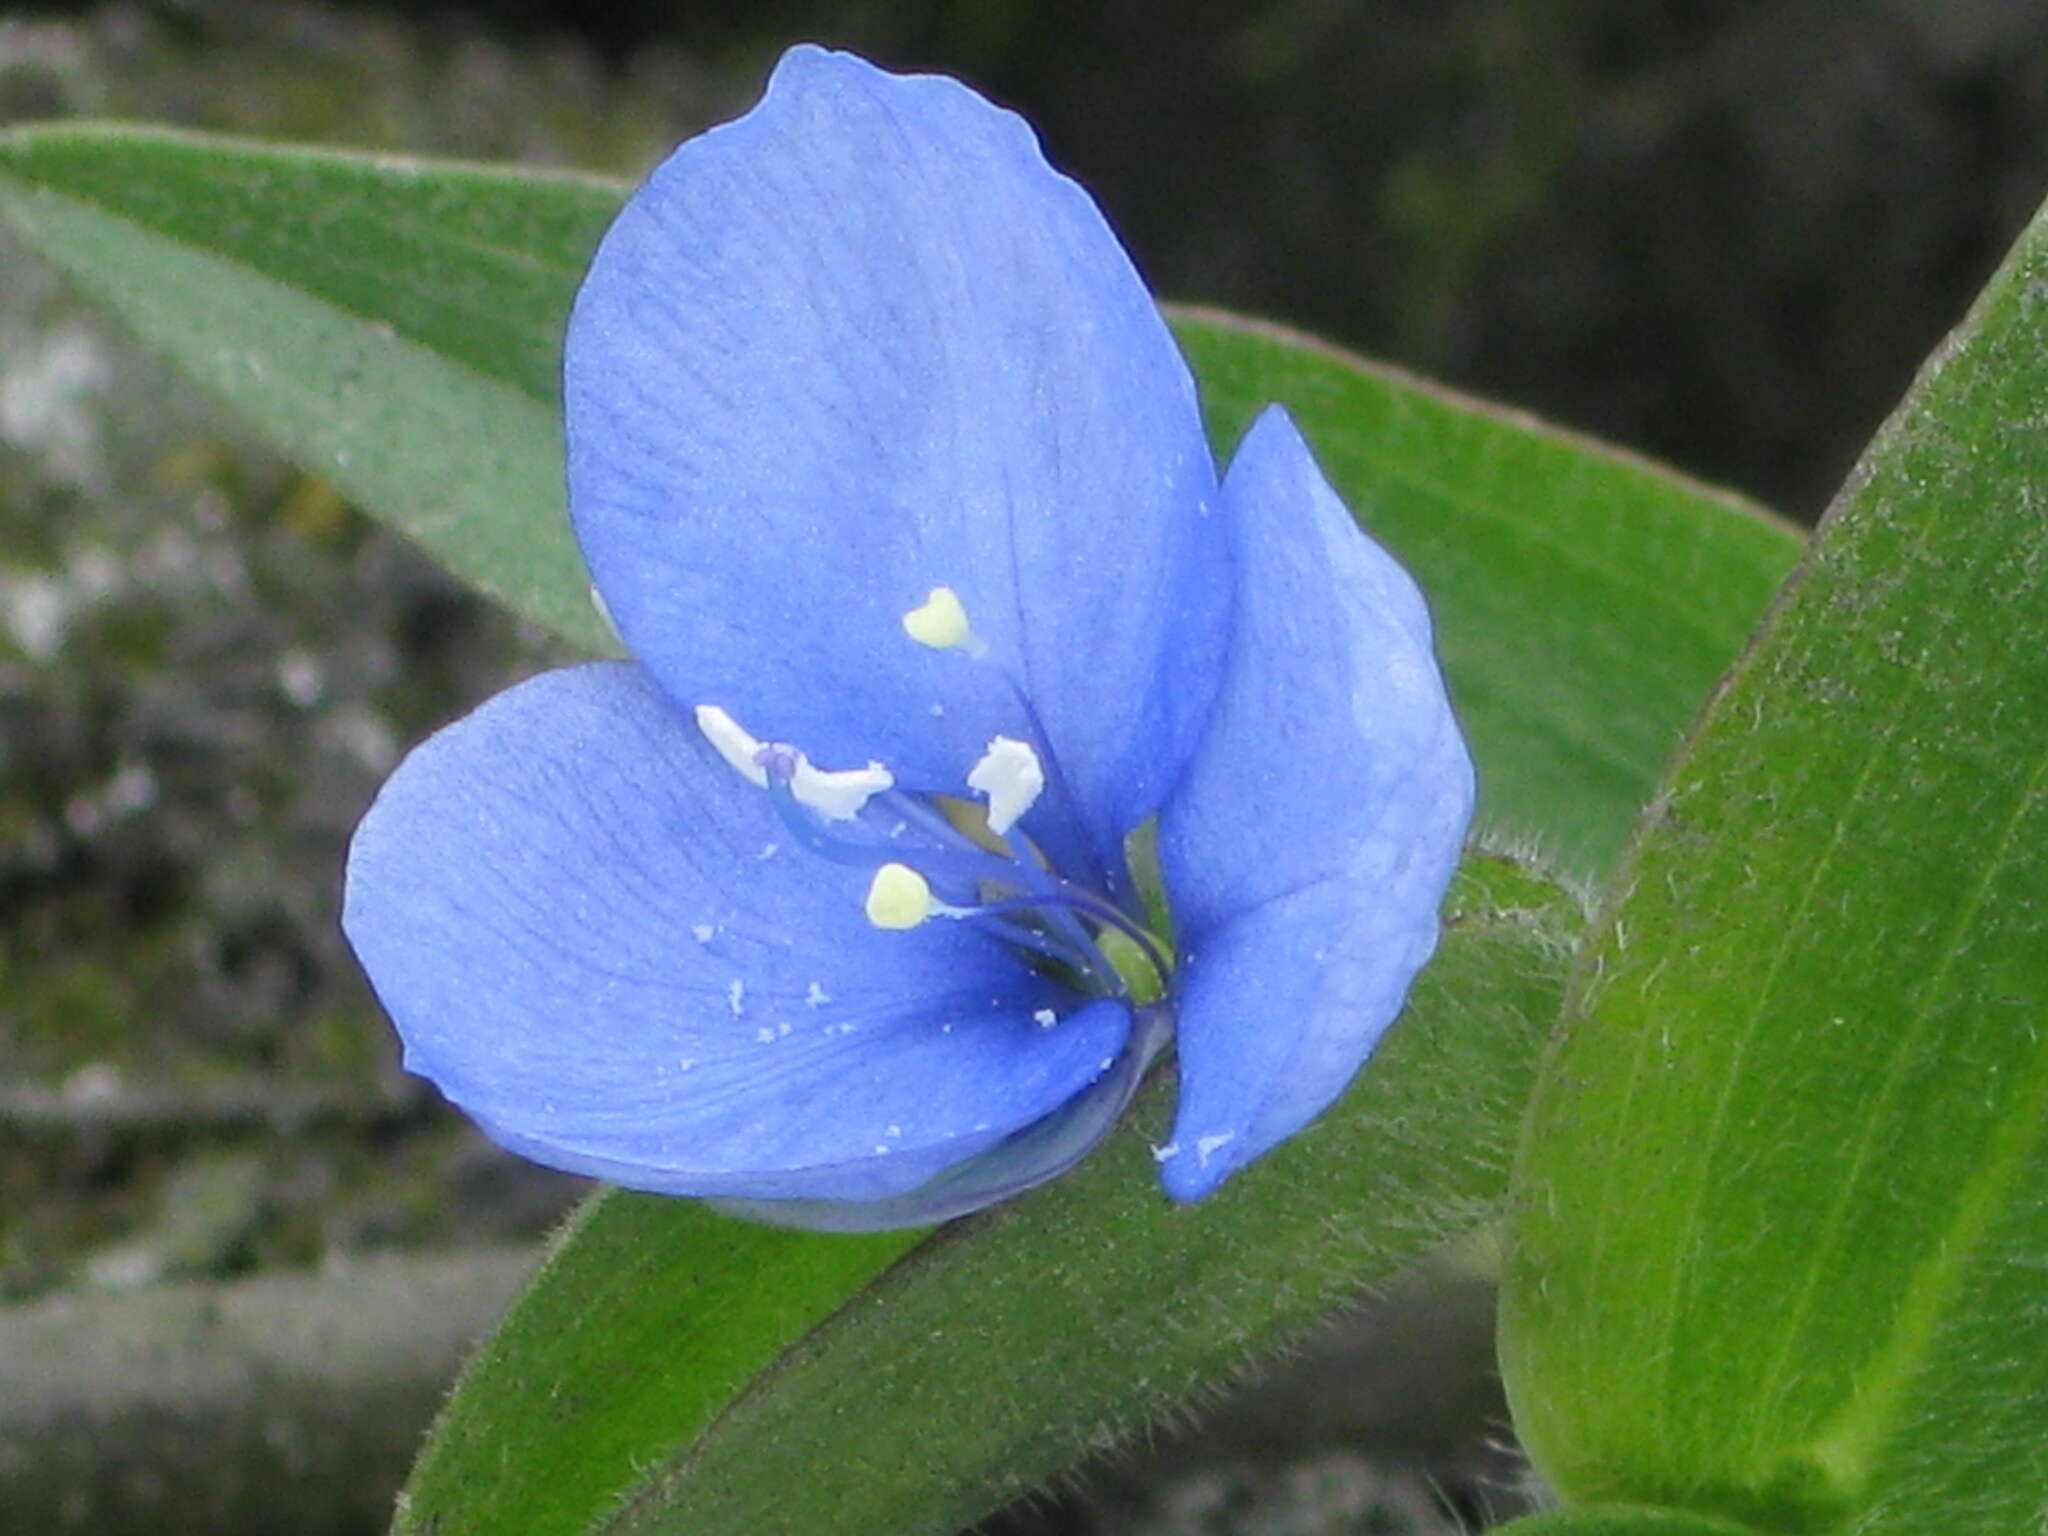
(1722, 233)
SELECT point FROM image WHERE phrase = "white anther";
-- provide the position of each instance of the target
(941, 622)
(1010, 774)
(835, 794)
(732, 742)
(838, 794)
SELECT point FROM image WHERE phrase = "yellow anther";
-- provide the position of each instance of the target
(940, 622)
(898, 897)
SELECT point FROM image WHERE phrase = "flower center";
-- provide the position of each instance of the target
(941, 857)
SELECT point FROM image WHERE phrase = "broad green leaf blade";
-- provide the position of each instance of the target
(1585, 600)
(649, 1318)
(394, 325)
(1010, 1342)
(391, 325)
(1624, 1520)
(1783, 1202)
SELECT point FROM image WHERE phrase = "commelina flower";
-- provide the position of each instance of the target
(893, 483)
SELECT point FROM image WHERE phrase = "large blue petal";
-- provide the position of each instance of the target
(864, 342)
(1308, 849)
(1040, 1152)
(595, 937)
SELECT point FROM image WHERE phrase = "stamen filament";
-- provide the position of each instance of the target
(1090, 906)
(1033, 909)
(1083, 958)
(970, 866)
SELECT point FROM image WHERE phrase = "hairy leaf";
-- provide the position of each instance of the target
(1781, 1225)
(616, 1397)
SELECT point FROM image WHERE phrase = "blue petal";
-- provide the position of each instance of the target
(1023, 1161)
(594, 937)
(1308, 849)
(864, 342)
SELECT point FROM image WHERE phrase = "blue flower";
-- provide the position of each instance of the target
(893, 483)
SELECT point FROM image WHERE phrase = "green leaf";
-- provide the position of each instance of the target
(391, 324)
(394, 325)
(616, 1397)
(1586, 600)
(1624, 1520)
(1781, 1228)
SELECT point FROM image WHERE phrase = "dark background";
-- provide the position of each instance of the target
(1722, 231)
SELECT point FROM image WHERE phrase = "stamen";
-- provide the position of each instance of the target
(1008, 888)
(835, 794)
(1010, 774)
(740, 751)
(838, 794)
(898, 897)
(940, 622)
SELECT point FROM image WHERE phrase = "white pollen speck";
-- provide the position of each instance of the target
(1045, 1018)
(881, 1147)
(945, 1029)
(735, 996)
(938, 711)
(1107, 1063)
(764, 1035)
(894, 1130)
(768, 850)
(684, 1063)
(702, 932)
(782, 1027)
(1166, 1153)
(1205, 1146)
(816, 997)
